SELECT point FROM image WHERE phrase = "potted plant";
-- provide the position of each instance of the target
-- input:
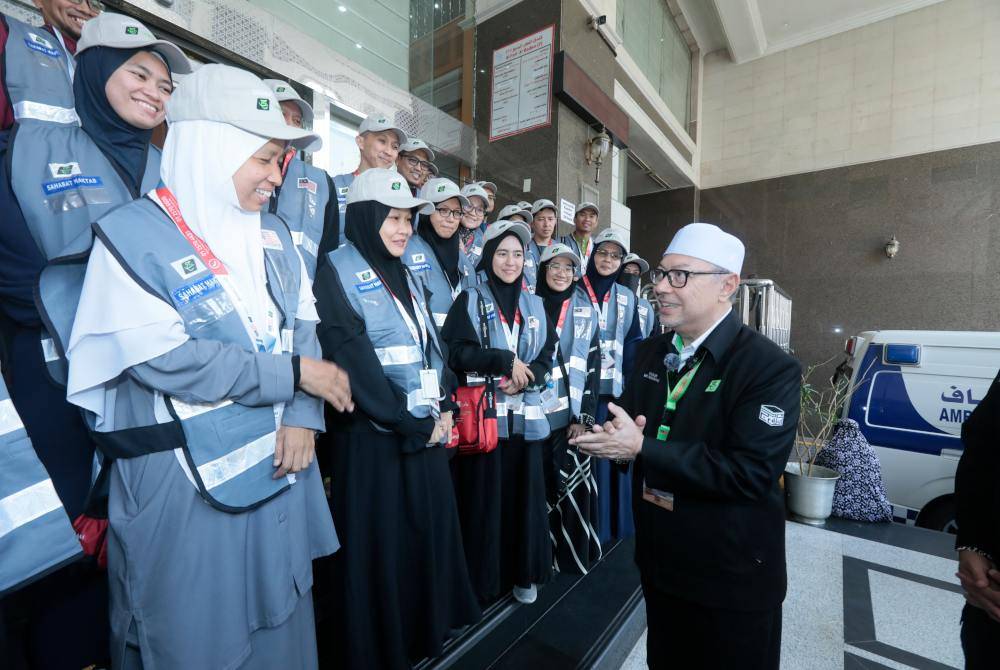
(810, 487)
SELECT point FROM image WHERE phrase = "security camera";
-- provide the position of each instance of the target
(595, 21)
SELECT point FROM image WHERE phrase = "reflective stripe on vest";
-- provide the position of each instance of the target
(621, 311)
(395, 346)
(229, 446)
(647, 317)
(35, 533)
(574, 343)
(302, 202)
(424, 265)
(527, 416)
(35, 68)
(341, 184)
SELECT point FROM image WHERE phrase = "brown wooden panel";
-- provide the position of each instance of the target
(579, 92)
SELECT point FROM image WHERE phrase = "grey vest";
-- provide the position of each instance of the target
(532, 259)
(228, 447)
(524, 409)
(647, 316)
(342, 184)
(475, 250)
(574, 346)
(401, 355)
(36, 74)
(424, 265)
(620, 312)
(302, 202)
(35, 534)
(571, 242)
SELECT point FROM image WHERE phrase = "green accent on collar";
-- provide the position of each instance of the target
(713, 386)
(678, 343)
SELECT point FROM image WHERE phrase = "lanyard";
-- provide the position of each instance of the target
(289, 155)
(511, 335)
(674, 396)
(603, 309)
(419, 334)
(168, 203)
(562, 316)
(584, 249)
(70, 61)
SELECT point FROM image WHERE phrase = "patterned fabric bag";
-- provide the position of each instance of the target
(860, 494)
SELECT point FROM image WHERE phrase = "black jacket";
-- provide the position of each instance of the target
(723, 545)
(977, 491)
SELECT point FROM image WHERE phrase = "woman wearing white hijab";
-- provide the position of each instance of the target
(196, 327)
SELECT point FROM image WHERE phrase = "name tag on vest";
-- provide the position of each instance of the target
(308, 184)
(74, 182)
(622, 300)
(196, 290)
(41, 45)
(270, 240)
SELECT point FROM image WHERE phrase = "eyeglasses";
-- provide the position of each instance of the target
(415, 162)
(95, 5)
(446, 213)
(677, 278)
(613, 255)
(475, 210)
(561, 268)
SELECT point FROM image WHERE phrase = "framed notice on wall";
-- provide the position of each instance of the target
(521, 85)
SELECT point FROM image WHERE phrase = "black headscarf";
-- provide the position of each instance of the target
(121, 143)
(505, 294)
(364, 221)
(629, 280)
(601, 283)
(553, 299)
(445, 248)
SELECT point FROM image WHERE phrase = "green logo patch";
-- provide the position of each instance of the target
(263, 104)
(131, 30)
(396, 185)
(189, 266)
(64, 170)
(281, 89)
(441, 188)
(713, 386)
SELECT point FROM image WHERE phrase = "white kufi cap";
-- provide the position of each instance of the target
(709, 243)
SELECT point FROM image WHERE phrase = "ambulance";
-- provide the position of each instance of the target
(914, 389)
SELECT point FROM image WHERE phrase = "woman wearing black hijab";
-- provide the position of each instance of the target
(399, 581)
(620, 333)
(82, 171)
(501, 494)
(570, 404)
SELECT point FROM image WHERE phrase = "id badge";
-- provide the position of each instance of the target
(550, 399)
(515, 403)
(607, 360)
(429, 386)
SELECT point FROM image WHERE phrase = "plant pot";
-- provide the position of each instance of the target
(810, 497)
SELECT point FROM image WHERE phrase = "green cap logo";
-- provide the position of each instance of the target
(131, 30)
(441, 188)
(189, 266)
(64, 169)
(281, 89)
(396, 185)
(263, 104)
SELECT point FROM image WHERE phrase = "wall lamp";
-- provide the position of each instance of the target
(597, 149)
(892, 247)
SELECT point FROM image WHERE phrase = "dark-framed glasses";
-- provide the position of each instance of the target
(608, 253)
(95, 5)
(475, 210)
(446, 213)
(677, 278)
(415, 163)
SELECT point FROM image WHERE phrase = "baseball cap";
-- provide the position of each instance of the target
(117, 31)
(511, 210)
(634, 258)
(283, 91)
(434, 169)
(541, 204)
(559, 250)
(610, 235)
(441, 189)
(415, 144)
(498, 228)
(376, 123)
(230, 95)
(473, 189)
(488, 185)
(587, 205)
(387, 187)
(524, 204)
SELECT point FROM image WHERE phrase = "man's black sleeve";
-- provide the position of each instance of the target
(331, 222)
(976, 480)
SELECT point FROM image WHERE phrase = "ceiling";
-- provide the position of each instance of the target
(751, 29)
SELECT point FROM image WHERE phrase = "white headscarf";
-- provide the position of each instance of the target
(118, 324)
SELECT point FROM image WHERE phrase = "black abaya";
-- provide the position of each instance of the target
(399, 582)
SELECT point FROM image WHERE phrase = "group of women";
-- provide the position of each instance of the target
(202, 357)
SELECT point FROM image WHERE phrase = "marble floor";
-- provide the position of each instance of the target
(859, 604)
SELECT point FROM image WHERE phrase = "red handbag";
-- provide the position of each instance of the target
(477, 431)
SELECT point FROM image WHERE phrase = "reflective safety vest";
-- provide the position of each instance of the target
(302, 202)
(35, 534)
(525, 409)
(532, 259)
(342, 184)
(227, 447)
(474, 251)
(36, 74)
(571, 242)
(424, 265)
(579, 323)
(647, 316)
(403, 347)
(615, 314)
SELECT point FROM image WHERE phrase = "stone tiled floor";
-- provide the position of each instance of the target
(858, 604)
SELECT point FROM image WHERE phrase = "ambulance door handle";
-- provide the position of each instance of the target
(953, 454)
